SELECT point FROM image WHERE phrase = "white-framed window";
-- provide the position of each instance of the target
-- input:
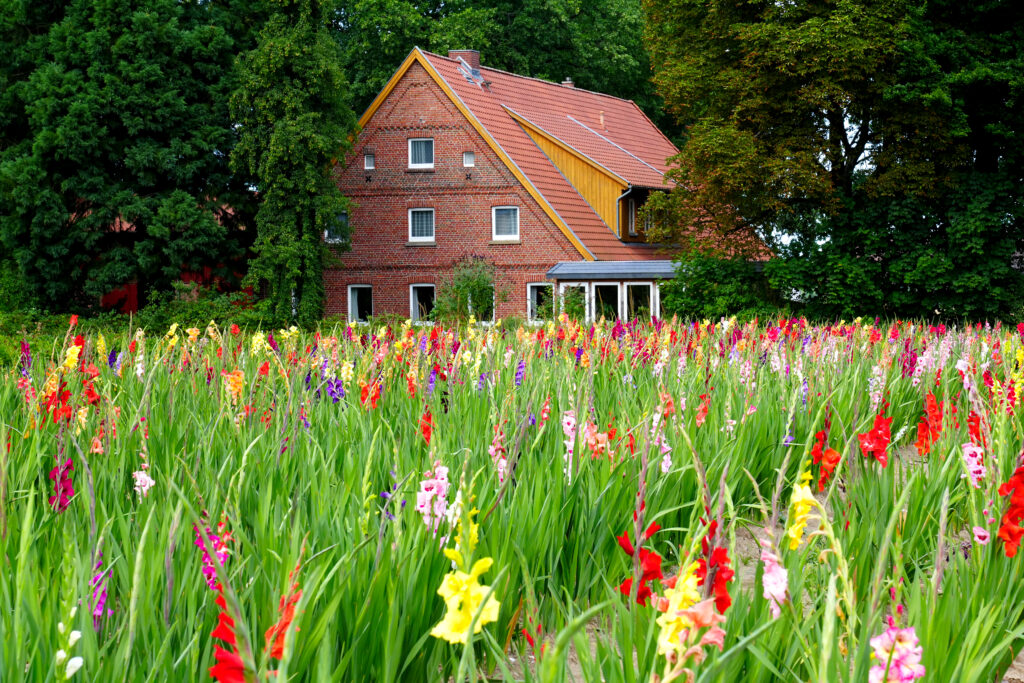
(369, 161)
(421, 152)
(539, 301)
(605, 300)
(469, 159)
(631, 218)
(337, 233)
(639, 301)
(421, 225)
(421, 302)
(574, 299)
(360, 302)
(504, 223)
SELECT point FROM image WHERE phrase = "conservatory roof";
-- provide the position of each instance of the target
(613, 270)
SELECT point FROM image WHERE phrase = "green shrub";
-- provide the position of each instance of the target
(708, 287)
(188, 304)
(469, 291)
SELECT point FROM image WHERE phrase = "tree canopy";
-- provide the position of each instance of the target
(294, 121)
(114, 157)
(874, 144)
(597, 43)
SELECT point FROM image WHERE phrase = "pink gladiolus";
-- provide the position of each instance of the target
(897, 655)
(432, 498)
(974, 463)
(981, 535)
(775, 580)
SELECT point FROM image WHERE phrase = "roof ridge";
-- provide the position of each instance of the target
(614, 144)
(540, 80)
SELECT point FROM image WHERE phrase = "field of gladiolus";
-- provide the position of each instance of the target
(663, 501)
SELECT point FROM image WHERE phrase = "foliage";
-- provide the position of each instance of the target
(374, 458)
(294, 124)
(539, 38)
(876, 145)
(113, 160)
(707, 287)
(469, 291)
(192, 305)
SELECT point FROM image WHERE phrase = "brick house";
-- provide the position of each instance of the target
(543, 180)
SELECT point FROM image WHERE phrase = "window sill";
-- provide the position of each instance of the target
(421, 244)
(505, 242)
(419, 170)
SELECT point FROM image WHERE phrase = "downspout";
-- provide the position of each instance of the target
(618, 211)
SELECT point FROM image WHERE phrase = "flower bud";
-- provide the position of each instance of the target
(74, 664)
(61, 657)
(73, 638)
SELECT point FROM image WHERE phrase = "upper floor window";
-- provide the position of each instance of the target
(505, 223)
(469, 159)
(337, 232)
(369, 161)
(421, 225)
(632, 217)
(421, 152)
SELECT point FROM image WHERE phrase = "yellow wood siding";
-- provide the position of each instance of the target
(597, 186)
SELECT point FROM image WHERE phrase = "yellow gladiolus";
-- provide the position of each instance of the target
(463, 596)
(683, 595)
(803, 501)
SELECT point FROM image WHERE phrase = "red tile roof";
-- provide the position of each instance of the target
(612, 132)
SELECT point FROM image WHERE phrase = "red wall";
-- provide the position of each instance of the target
(380, 255)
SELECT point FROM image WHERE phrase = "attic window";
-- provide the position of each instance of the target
(469, 159)
(421, 153)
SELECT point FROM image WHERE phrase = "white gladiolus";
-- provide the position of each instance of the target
(61, 657)
(73, 638)
(74, 664)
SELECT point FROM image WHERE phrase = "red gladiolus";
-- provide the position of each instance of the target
(702, 412)
(974, 429)
(426, 425)
(63, 489)
(265, 368)
(370, 393)
(275, 635)
(650, 565)
(723, 574)
(875, 443)
(828, 458)
(923, 443)
(229, 667)
(1010, 530)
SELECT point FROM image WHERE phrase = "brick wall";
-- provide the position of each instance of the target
(462, 198)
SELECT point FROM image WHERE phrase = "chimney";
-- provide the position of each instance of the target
(472, 57)
(568, 82)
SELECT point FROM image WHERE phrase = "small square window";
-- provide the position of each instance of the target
(421, 225)
(337, 233)
(505, 223)
(469, 159)
(421, 302)
(369, 161)
(421, 153)
(360, 302)
(539, 301)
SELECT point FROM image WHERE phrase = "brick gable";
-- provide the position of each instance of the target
(462, 198)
